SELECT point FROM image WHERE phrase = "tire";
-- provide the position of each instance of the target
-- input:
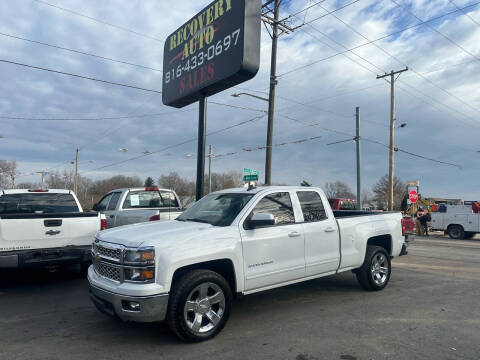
(199, 305)
(374, 274)
(456, 232)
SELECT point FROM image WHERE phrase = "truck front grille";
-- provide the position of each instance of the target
(109, 252)
(109, 271)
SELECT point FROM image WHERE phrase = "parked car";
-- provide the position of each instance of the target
(458, 222)
(131, 206)
(45, 228)
(236, 241)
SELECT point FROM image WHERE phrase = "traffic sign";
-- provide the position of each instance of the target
(248, 178)
(250, 171)
(413, 196)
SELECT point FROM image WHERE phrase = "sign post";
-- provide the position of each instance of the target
(216, 49)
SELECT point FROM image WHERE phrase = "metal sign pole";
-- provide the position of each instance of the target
(202, 124)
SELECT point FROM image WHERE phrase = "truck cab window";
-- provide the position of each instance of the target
(168, 199)
(312, 206)
(37, 203)
(102, 204)
(279, 205)
(114, 200)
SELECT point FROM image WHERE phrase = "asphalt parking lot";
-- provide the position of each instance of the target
(430, 310)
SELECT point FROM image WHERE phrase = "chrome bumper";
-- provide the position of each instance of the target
(150, 308)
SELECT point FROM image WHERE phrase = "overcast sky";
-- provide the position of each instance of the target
(438, 98)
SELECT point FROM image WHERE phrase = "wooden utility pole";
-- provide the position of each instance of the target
(392, 132)
(75, 186)
(279, 27)
(357, 140)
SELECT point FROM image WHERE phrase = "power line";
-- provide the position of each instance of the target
(78, 51)
(100, 21)
(237, 107)
(373, 142)
(376, 40)
(175, 145)
(88, 119)
(78, 76)
(464, 12)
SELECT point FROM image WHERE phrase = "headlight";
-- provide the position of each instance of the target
(141, 256)
(140, 274)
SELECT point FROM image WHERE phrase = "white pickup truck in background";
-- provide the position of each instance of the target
(131, 206)
(45, 228)
(237, 241)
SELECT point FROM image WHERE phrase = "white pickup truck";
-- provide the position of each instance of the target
(236, 241)
(45, 228)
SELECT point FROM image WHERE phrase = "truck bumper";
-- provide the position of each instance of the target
(45, 257)
(130, 308)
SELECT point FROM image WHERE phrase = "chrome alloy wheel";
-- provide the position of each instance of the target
(204, 307)
(379, 269)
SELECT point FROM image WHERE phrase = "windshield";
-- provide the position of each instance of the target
(216, 209)
(39, 203)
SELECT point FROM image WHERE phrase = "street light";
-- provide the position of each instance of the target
(251, 95)
(123, 150)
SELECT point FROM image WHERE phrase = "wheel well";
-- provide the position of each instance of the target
(223, 267)
(449, 226)
(384, 241)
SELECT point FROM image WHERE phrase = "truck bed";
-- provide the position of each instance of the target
(352, 213)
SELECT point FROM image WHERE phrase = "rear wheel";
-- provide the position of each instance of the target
(375, 271)
(199, 305)
(456, 232)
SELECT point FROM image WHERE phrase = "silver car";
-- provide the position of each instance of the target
(131, 206)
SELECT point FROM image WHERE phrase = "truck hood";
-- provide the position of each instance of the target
(138, 234)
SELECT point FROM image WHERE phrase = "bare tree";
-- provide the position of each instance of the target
(184, 188)
(338, 189)
(8, 171)
(381, 192)
(222, 181)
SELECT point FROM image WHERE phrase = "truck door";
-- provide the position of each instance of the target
(110, 212)
(322, 247)
(273, 254)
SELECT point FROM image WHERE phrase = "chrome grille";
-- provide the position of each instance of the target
(108, 271)
(104, 251)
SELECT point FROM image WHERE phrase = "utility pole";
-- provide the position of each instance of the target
(357, 140)
(75, 186)
(202, 125)
(43, 176)
(392, 132)
(210, 154)
(278, 28)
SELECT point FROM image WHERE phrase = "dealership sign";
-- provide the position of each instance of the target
(216, 49)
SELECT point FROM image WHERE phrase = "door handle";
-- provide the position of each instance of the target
(294, 234)
(329, 229)
(52, 232)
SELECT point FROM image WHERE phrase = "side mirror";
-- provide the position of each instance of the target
(96, 207)
(261, 219)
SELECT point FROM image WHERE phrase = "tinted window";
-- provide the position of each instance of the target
(37, 203)
(312, 206)
(279, 205)
(102, 204)
(113, 201)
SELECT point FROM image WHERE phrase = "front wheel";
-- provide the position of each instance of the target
(199, 305)
(375, 271)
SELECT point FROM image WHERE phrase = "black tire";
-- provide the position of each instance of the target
(378, 280)
(184, 293)
(469, 235)
(456, 232)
